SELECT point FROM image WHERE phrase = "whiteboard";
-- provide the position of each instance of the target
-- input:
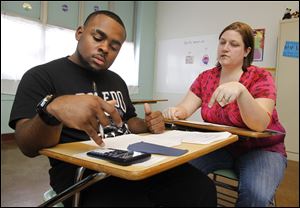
(180, 61)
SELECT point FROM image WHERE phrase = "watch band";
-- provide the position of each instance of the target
(44, 115)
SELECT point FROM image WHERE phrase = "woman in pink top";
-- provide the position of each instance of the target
(237, 93)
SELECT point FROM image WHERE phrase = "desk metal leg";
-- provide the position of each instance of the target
(78, 177)
(82, 184)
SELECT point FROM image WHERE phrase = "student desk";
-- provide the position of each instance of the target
(137, 102)
(202, 126)
(67, 153)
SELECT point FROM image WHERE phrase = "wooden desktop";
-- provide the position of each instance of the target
(202, 126)
(142, 101)
(70, 153)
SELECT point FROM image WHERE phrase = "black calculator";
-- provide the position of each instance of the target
(120, 157)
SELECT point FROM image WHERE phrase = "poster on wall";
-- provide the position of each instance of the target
(259, 40)
(180, 61)
(291, 49)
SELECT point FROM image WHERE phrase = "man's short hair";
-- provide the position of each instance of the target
(107, 13)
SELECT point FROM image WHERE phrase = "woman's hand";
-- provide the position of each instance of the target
(226, 93)
(175, 113)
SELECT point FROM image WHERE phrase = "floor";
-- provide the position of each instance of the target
(24, 180)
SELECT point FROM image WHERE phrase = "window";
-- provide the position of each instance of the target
(21, 46)
(26, 43)
(124, 64)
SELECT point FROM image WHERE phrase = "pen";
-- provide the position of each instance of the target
(95, 89)
(95, 93)
(101, 131)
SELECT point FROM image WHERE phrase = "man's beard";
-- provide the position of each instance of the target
(85, 64)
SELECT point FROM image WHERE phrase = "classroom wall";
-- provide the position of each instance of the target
(158, 21)
(180, 19)
(145, 48)
(6, 104)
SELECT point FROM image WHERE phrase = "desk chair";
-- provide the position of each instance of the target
(50, 194)
(232, 187)
(53, 198)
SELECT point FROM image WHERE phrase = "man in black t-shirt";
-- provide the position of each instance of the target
(73, 96)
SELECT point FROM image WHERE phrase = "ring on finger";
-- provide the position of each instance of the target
(227, 99)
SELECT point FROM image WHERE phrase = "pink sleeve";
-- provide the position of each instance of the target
(264, 86)
(196, 86)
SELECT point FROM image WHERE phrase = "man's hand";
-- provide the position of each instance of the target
(84, 112)
(154, 120)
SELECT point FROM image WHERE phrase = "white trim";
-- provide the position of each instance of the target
(292, 156)
(44, 12)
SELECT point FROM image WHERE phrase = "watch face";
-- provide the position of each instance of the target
(44, 101)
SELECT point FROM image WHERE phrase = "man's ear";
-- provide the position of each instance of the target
(79, 32)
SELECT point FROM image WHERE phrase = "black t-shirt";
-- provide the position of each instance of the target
(63, 77)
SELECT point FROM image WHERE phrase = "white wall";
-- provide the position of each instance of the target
(6, 105)
(180, 19)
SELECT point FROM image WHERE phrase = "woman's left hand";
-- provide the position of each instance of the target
(226, 93)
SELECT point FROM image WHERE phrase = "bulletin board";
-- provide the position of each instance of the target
(180, 61)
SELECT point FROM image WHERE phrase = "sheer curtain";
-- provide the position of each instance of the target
(26, 43)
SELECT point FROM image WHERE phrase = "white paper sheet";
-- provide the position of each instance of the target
(203, 123)
(168, 138)
(205, 138)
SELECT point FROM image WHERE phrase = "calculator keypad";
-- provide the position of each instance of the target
(121, 157)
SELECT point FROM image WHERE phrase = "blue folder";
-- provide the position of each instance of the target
(155, 149)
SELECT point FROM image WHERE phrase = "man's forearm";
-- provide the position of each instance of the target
(33, 134)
